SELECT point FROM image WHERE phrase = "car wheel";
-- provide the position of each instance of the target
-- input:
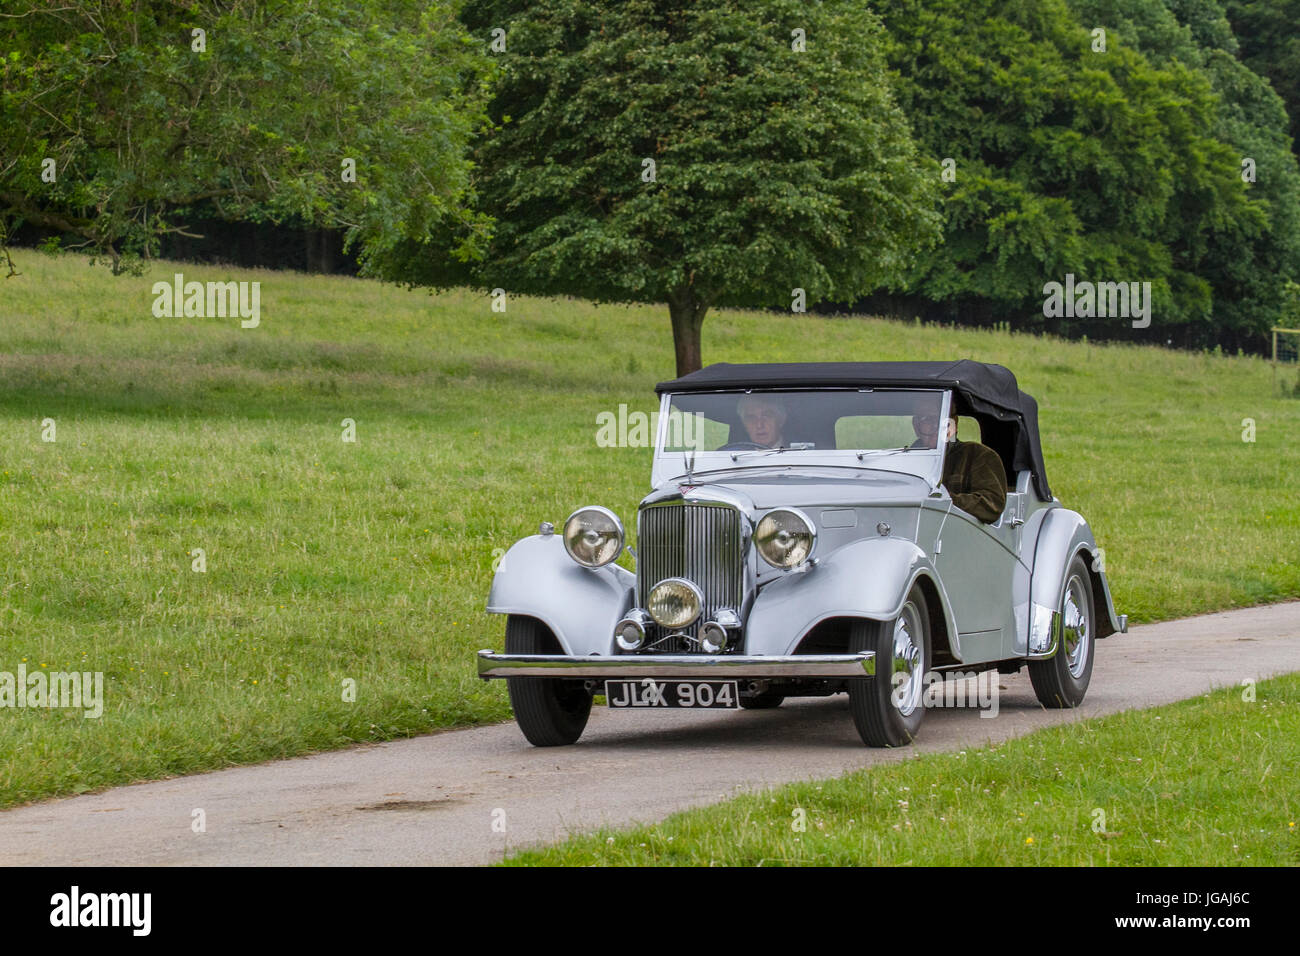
(551, 711)
(1062, 679)
(888, 708)
(764, 701)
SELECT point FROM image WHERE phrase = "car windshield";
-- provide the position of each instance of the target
(890, 429)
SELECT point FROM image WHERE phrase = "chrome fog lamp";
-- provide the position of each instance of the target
(629, 633)
(785, 538)
(593, 536)
(675, 602)
(713, 637)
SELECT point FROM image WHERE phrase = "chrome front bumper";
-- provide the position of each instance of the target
(683, 666)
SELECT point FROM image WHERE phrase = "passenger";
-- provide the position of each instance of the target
(972, 472)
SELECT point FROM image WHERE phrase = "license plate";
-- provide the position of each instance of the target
(648, 692)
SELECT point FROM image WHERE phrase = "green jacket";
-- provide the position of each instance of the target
(974, 476)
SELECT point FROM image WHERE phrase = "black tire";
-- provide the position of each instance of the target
(551, 711)
(764, 701)
(1061, 680)
(886, 717)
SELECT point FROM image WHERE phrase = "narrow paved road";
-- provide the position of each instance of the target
(435, 799)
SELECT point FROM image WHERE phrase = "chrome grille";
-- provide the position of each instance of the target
(699, 542)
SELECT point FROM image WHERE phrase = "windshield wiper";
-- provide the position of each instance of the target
(793, 446)
(887, 451)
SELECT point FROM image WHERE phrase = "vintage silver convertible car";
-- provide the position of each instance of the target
(799, 541)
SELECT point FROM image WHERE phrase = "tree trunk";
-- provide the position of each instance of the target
(326, 252)
(312, 247)
(688, 317)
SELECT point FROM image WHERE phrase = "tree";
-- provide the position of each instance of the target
(693, 155)
(1269, 35)
(1107, 165)
(118, 120)
(1249, 261)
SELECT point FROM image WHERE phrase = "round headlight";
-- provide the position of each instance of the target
(784, 538)
(675, 603)
(593, 537)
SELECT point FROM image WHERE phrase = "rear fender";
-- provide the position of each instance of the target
(1063, 535)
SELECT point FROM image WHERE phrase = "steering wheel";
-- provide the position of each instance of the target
(743, 446)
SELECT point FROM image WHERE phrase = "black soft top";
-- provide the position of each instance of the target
(1008, 417)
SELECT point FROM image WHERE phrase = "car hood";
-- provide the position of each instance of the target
(792, 487)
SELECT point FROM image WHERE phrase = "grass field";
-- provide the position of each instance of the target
(1203, 782)
(370, 561)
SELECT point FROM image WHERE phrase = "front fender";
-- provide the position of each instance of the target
(870, 578)
(537, 578)
(1064, 534)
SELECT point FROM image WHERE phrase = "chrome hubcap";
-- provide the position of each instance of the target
(1076, 629)
(909, 661)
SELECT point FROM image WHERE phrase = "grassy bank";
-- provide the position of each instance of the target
(330, 562)
(1203, 782)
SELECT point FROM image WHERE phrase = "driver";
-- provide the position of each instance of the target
(925, 422)
(764, 419)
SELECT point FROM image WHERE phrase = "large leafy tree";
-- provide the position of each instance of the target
(146, 120)
(692, 154)
(1249, 262)
(1101, 164)
(1269, 35)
